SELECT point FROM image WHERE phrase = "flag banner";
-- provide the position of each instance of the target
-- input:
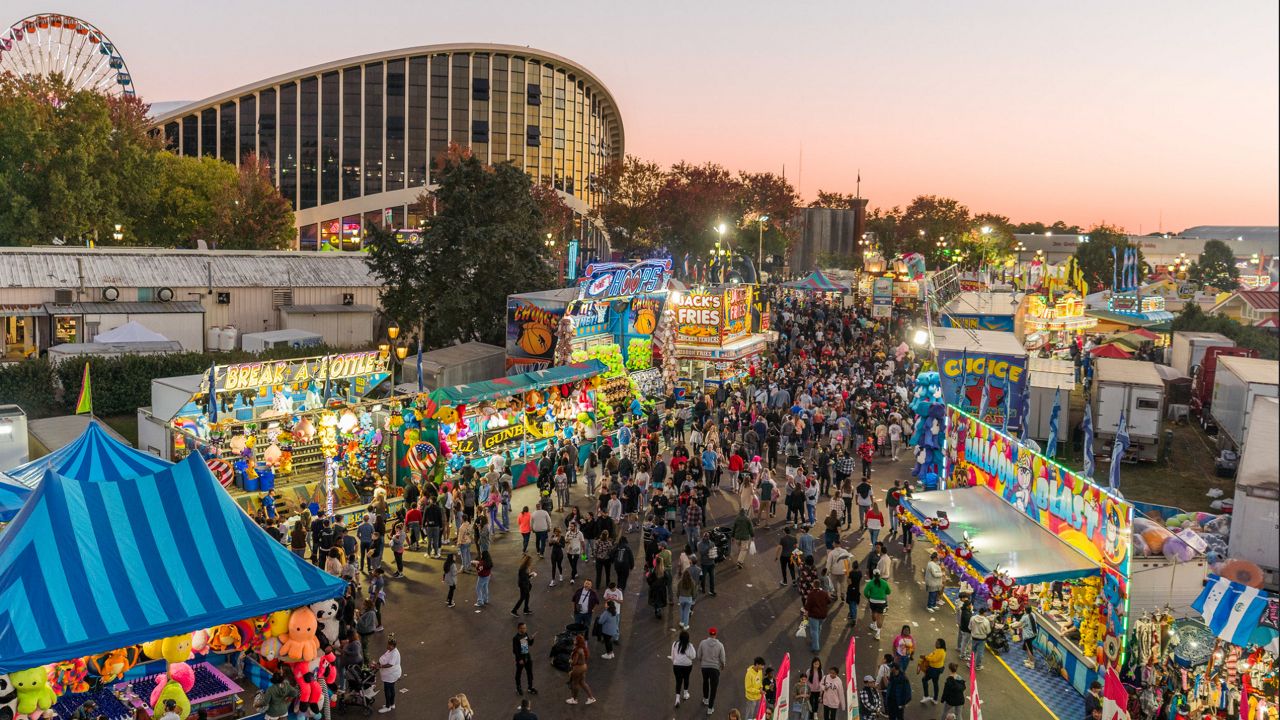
(1088, 441)
(975, 702)
(1231, 610)
(984, 401)
(1115, 699)
(213, 395)
(84, 405)
(851, 681)
(782, 700)
(1051, 445)
(1118, 448)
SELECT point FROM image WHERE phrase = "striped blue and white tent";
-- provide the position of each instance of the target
(95, 456)
(12, 497)
(88, 567)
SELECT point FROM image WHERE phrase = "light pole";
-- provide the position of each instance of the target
(118, 235)
(720, 229)
(760, 250)
(550, 243)
(1020, 248)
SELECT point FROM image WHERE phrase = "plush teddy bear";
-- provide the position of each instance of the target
(34, 694)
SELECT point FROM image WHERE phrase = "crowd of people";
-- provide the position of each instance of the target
(792, 448)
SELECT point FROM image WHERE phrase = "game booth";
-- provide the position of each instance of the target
(883, 286)
(516, 416)
(720, 334)
(983, 369)
(306, 428)
(1052, 324)
(1018, 528)
(132, 590)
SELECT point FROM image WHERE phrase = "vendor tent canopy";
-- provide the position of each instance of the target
(12, 497)
(95, 456)
(1002, 536)
(515, 384)
(1110, 350)
(87, 567)
(130, 332)
(817, 281)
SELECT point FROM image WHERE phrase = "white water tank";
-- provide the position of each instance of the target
(230, 337)
(212, 338)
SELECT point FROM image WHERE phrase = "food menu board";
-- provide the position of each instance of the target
(699, 316)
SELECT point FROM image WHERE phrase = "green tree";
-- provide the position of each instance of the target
(766, 195)
(182, 197)
(1038, 228)
(1192, 318)
(1095, 257)
(253, 216)
(485, 241)
(1216, 267)
(930, 220)
(885, 228)
(988, 241)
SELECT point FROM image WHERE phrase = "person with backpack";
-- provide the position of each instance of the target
(707, 554)
(953, 693)
(838, 563)
(602, 550)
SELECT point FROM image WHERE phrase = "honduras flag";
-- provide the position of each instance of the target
(1118, 449)
(1051, 446)
(1088, 441)
(1231, 610)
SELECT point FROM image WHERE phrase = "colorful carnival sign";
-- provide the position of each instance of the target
(253, 375)
(699, 316)
(1080, 513)
(615, 280)
(531, 329)
(967, 375)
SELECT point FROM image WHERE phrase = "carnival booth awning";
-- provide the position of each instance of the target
(1001, 536)
(515, 384)
(817, 281)
(95, 456)
(1110, 350)
(87, 567)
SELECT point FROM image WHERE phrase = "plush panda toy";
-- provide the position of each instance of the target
(327, 622)
(8, 698)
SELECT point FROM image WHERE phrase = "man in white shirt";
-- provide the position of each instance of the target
(837, 564)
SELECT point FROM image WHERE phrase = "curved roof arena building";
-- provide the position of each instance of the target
(353, 142)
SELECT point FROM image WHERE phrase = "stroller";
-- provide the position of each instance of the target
(361, 689)
(998, 640)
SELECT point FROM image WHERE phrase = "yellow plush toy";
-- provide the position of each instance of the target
(34, 694)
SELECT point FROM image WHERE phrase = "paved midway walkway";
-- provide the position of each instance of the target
(446, 651)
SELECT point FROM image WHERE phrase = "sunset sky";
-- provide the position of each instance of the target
(1142, 113)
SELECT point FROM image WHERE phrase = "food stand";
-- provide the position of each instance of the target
(1017, 526)
(304, 428)
(715, 339)
(1054, 323)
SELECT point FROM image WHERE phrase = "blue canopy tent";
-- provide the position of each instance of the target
(12, 497)
(94, 456)
(88, 567)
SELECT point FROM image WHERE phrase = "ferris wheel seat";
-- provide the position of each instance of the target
(116, 63)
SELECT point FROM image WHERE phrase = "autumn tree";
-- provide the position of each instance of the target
(930, 220)
(630, 211)
(769, 202)
(693, 200)
(1095, 256)
(253, 216)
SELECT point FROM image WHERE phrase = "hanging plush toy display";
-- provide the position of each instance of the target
(300, 643)
(928, 438)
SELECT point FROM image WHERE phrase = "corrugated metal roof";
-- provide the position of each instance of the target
(1261, 299)
(48, 267)
(124, 308)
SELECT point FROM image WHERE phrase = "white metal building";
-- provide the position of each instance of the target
(51, 295)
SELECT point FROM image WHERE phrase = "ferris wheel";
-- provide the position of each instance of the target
(50, 44)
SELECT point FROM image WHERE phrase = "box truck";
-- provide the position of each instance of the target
(1187, 348)
(1255, 517)
(1237, 381)
(1134, 388)
(1202, 381)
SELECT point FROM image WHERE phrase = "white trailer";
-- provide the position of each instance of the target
(1187, 349)
(1255, 517)
(1047, 378)
(259, 341)
(1135, 389)
(1236, 383)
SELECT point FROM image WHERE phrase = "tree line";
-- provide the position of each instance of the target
(75, 164)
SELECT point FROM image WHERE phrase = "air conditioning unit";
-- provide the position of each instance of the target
(110, 293)
(224, 298)
(348, 298)
(164, 294)
(63, 297)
